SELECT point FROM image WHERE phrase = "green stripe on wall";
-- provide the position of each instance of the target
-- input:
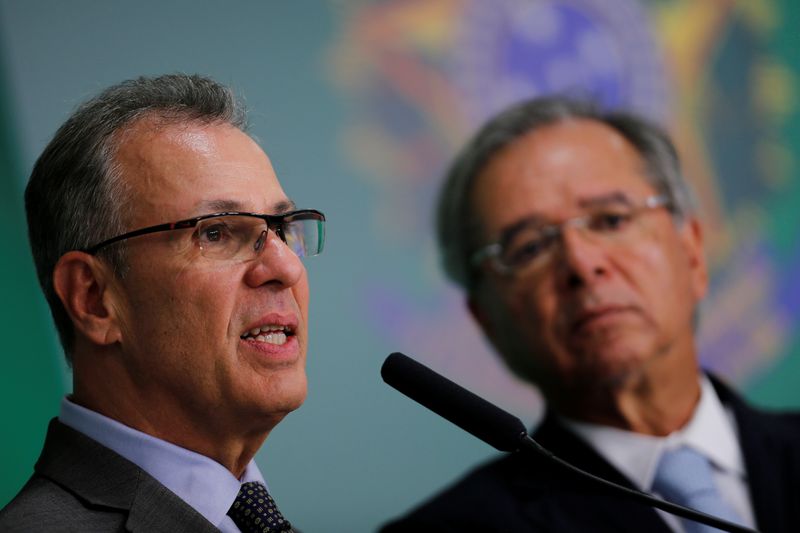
(31, 384)
(777, 386)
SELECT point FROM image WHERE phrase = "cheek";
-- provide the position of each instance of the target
(537, 301)
(531, 311)
(185, 305)
(205, 299)
(661, 279)
(665, 266)
(642, 271)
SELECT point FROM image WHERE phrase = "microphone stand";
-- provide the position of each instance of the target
(528, 444)
(505, 432)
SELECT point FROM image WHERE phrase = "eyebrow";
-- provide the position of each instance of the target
(220, 206)
(614, 197)
(591, 202)
(509, 232)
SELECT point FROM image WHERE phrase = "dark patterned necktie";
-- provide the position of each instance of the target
(254, 510)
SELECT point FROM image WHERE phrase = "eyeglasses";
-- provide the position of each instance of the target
(241, 236)
(529, 245)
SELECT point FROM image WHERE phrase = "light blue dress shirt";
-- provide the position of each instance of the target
(204, 484)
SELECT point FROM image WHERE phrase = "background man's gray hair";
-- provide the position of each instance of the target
(458, 230)
(76, 196)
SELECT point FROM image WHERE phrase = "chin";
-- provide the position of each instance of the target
(616, 371)
(273, 394)
(287, 394)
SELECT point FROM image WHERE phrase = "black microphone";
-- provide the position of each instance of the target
(453, 402)
(506, 432)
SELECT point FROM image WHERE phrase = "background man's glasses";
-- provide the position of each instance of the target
(530, 245)
(241, 236)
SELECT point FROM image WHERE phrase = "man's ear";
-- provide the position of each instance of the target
(692, 238)
(83, 284)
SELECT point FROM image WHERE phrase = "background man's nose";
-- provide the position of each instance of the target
(580, 259)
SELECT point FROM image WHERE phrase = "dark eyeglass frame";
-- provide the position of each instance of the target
(274, 222)
(494, 250)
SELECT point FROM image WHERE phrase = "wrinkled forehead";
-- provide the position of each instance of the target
(223, 205)
(179, 170)
(556, 170)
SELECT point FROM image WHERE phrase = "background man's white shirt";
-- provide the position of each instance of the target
(711, 431)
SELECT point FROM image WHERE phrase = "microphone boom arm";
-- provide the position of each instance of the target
(529, 444)
(505, 432)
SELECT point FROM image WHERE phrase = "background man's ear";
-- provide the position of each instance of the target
(81, 282)
(692, 238)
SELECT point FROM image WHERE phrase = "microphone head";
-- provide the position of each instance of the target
(453, 402)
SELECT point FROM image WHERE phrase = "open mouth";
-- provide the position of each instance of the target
(270, 334)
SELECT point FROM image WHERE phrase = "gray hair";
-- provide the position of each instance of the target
(457, 227)
(76, 195)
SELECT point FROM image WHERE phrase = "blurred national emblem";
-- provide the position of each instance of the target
(423, 74)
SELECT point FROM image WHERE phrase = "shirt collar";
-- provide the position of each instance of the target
(711, 431)
(201, 482)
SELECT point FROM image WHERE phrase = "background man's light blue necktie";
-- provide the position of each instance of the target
(684, 476)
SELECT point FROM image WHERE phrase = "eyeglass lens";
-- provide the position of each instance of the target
(240, 237)
(534, 244)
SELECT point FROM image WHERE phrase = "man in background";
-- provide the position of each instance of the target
(575, 239)
(170, 257)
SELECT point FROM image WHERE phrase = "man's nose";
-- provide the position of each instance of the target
(274, 263)
(582, 259)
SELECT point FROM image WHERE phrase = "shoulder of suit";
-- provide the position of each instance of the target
(42, 505)
(486, 491)
(782, 423)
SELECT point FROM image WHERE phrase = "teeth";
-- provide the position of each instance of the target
(270, 333)
(269, 328)
(272, 338)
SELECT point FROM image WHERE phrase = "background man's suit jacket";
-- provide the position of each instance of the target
(80, 485)
(520, 493)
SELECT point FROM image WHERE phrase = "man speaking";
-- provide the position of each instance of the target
(171, 259)
(575, 239)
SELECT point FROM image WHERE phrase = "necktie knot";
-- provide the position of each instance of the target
(684, 476)
(254, 510)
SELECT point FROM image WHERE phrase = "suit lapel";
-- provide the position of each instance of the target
(103, 478)
(770, 445)
(576, 504)
(155, 508)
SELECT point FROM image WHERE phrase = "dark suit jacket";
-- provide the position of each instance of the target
(80, 485)
(529, 493)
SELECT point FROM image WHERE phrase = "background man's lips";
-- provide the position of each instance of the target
(589, 316)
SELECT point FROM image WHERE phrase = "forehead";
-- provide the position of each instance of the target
(552, 171)
(179, 170)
